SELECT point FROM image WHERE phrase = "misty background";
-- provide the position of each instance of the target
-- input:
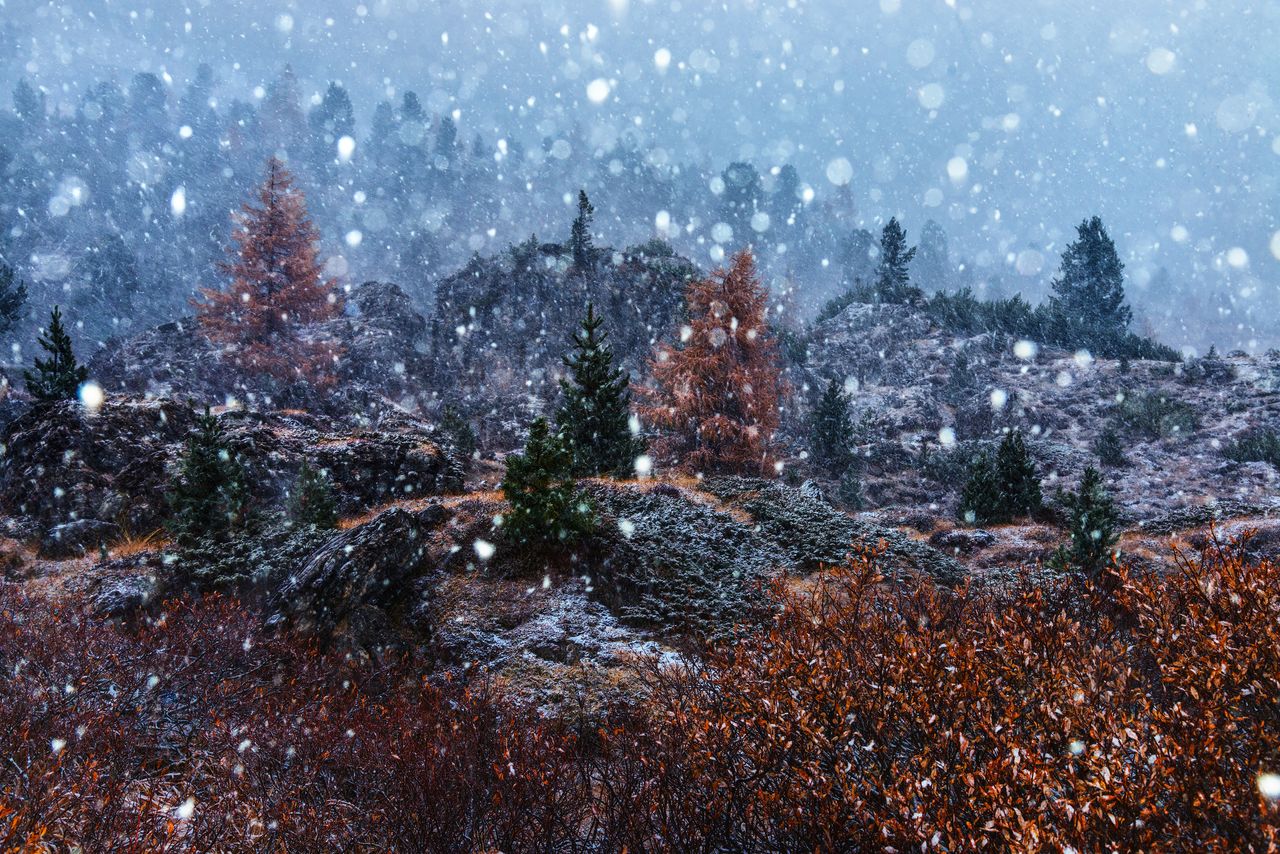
(791, 125)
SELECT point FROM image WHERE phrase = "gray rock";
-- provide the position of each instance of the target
(74, 539)
(371, 564)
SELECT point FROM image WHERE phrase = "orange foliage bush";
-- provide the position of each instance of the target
(870, 717)
(716, 396)
(277, 286)
(865, 716)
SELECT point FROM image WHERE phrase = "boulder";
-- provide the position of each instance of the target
(369, 565)
(77, 538)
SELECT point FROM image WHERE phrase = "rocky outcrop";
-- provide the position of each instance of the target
(66, 463)
(366, 566)
(931, 396)
(383, 362)
(501, 325)
(72, 539)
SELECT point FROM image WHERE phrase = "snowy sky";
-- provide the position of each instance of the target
(1007, 122)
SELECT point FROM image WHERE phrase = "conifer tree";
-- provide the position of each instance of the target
(594, 416)
(312, 501)
(13, 297)
(831, 435)
(980, 499)
(57, 377)
(1019, 483)
(545, 503)
(209, 496)
(277, 286)
(580, 234)
(893, 277)
(1088, 293)
(715, 397)
(459, 431)
(1093, 524)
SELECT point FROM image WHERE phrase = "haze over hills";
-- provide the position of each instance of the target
(1005, 129)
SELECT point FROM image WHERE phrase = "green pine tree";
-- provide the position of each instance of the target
(831, 435)
(594, 416)
(13, 297)
(458, 431)
(980, 500)
(545, 503)
(1088, 304)
(580, 234)
(1110, 448)
(58, 377)
(893, 276)
(209, 497)
(1018, 481)
(1094, 525)
(312, 501)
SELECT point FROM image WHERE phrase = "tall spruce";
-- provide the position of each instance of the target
(580, 233)
(59, 376)
(893, 275)
(209, 497)
(13, 297)
(1094, 525)
(1088, 293)
(831, 434)
(546, 506)
(594, 416)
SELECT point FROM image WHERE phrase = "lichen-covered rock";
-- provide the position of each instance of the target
(79, 537)
(368, 565)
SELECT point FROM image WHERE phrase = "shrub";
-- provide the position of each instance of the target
(1109, 448)
(866, 715)
(459, 432)
(1093, 523)
(872, 716)
(1258, 446)
(1155, 416)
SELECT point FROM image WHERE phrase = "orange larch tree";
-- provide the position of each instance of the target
(277, 286)
(716, 395)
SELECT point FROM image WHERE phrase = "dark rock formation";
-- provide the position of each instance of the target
(383, 362)
(501, 325)
(66, 462)
(79, 537)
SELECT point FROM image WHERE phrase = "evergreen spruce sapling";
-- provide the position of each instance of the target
(209, 497)
(1110, 448)
(546, 506)
(1088, 294)
(1018, 481)
(58, 377)
(594, 416)
(849, 490)
(312, 501)
(458, 431)
(580, 233)
(1093, 522)
(831, 434)
(981, 502)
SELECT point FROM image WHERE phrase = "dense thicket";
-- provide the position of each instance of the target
(1046, 717)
